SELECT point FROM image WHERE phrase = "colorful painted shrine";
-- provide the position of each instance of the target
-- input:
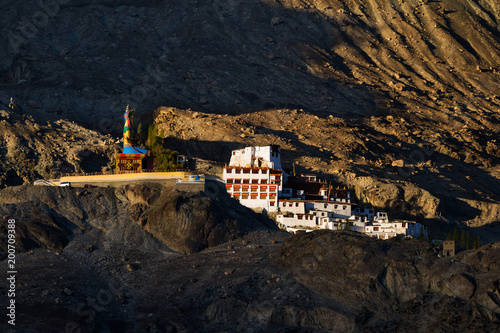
(129, 162)
(132, 159)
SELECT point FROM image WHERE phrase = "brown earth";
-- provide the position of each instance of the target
(112, 276)
(188, 222)
(399, 99)
(406, 276)
(34, 149)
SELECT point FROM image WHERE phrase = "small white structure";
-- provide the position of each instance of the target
(267, 156)
(341, 209)
(311, 221)
(385, 229)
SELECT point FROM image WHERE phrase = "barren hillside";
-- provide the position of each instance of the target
(396, 99)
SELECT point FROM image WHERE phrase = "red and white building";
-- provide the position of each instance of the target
(254, 177)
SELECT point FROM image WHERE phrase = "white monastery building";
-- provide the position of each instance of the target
(254, 177)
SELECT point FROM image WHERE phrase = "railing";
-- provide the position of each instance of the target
(43, 182)
(78, 174)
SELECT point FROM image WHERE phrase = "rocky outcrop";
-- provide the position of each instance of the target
(387, 277)
(191, 222)
(403, 94)
(34, 148)
(50, 217)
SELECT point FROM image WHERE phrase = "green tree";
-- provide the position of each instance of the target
(154, 140)
(478, 241)
(164, 159)
(467, 240)
(462, 239)
(474, 241)
(421, 235)
(138, 135)
(455, 235)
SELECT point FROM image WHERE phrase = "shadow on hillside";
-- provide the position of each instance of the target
(452, 181)
(233, 57)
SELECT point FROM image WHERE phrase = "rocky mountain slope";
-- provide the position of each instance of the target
(50, 217)
(393, 284)
(396, 99)
(33, 148)
(88, 265)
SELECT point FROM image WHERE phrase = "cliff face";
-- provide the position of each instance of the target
(145, 215)
(90, 266)
(395, 282)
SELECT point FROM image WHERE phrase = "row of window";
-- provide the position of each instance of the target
(272, 190)
(291, 204)
(255, 197)
(248, 171)
(246, 181)
(254, 194)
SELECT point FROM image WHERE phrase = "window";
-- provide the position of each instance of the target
(229, 181)
(271, 204)
(300, 217)
(263, 181)
(237, 170)
(326, 206)
(234, 153)
(244, 190)
(255, 181)
(296, 204)
(344, 207)
(335, 207)
(237, 181)
(246, 181)
(375, 228)
(246, 170)
(290, 204)
(244, 196)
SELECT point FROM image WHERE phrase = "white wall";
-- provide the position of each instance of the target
(306, 221)
(250, 155)
(296, 207)
(341, 209)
